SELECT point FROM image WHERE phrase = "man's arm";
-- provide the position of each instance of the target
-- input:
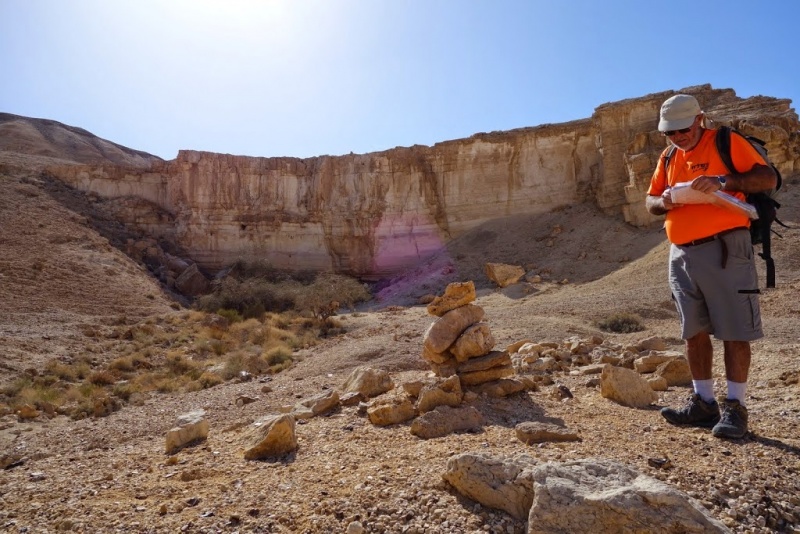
(759, 178)
(659, 205)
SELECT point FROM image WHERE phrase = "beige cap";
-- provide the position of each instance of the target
(678, 112)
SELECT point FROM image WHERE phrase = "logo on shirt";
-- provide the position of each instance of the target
(699, 167)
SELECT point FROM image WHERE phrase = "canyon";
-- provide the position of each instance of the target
(375, 215)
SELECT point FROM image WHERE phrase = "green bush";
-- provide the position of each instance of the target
(621, 323)
(251, 297)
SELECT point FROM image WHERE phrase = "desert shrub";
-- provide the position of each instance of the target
(248, 330)
(102, 378)
(124, 390)
(328, 292)
(253, 295)
(123, 364)
(233, 367)
(621, 323)
(209, 379)
(13, 388)
(178, 364)
(278, 357)
(130, 363)
(218, 346)
(244, 269)
(255, 364)
(36, 395)
(65, 372)
(233, 316)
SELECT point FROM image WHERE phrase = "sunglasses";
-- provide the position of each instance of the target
(670, 133)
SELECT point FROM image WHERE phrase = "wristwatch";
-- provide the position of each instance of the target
(722, 181)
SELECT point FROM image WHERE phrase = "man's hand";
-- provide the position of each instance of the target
(659, 205)
(707, 184)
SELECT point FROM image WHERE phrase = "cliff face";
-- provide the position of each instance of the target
(375, 214)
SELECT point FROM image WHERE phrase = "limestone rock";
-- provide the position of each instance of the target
(650, 362)
(271, 436)
(626, 387)
(456, 294)
(192, 282)
(652, 343)
(675, 372)
(445, 420)
(493, 359)
(369, 382)
(445, 330)
(444, 369)
(476, 340)
(488, 375)
(605, 497)
(502, 274)
(391, 410)
(437, 357)
(531, 432)
(504, 387)
(657, 383)
(189, 427)
(445, 392)
(316, 405)
(501, 483)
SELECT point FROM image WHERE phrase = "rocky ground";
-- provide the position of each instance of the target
(62, 284)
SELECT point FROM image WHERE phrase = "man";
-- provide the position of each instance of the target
(712, 272)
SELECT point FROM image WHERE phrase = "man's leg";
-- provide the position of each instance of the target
(700, 354)
(702, 409)
(737, 360)
(733, 423)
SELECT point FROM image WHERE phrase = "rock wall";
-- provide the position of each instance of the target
(375, 214)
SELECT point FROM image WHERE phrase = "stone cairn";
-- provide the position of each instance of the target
(459, 343)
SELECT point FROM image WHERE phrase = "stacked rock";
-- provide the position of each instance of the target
(460, 343)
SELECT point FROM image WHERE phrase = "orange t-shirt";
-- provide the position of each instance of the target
(695, 221)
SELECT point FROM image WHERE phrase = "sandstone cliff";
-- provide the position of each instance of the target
(375, 214)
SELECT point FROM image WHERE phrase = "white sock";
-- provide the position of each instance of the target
(736, 390)
(704, 388)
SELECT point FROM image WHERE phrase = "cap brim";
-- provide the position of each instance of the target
(675, 124)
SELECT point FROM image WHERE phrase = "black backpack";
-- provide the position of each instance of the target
(764, 201)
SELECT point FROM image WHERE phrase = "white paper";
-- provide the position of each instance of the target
(684, 194)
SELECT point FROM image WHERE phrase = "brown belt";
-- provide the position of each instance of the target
(710, 238)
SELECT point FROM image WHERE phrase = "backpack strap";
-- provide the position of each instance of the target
(723, 141)
(668, 153)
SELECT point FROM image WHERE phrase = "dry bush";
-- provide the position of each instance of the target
(179, 364)
(621, 323)
(102, 378)
(254, 295)
(279, 358)
(63, 371)
(37, 395)
(247, 330)
(161, 354)
(209, 379)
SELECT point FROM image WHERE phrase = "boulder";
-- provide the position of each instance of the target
(271, 436)
(369, 382)
(445, 420)
(604, 497)
(500, 483)
(444, 331)
(455, 295)
(189, 427)
(626, 387)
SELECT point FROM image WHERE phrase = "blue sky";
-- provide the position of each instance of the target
(311, 77)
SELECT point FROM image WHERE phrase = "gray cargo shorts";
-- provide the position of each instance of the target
(710, 298)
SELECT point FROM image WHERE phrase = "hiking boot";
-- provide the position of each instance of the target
(697, 412)
(733, 423)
